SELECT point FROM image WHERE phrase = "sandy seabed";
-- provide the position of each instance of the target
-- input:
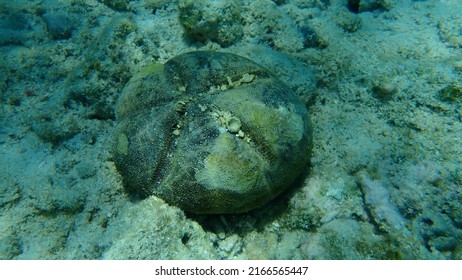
(382, 81)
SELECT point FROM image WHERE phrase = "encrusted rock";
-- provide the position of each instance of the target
(218, 21)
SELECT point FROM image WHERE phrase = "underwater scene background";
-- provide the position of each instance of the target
(381, 80)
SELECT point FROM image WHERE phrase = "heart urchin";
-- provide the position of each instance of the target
(210, 133)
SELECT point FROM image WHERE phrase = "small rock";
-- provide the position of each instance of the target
(234, 125)
(202, 107)
(59, 25)
(86, 169)
(117, 5)
(451, 94)
(247, 78)
(228, 244)
(385, 91)
(217, 21)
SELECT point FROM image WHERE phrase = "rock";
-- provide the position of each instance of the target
(370, 5)
(117, 5)
(348, 239)
(206, 168)
(10, 246)
(234, 125)
(59, 25)
(384, 91)
(378, 199)
(13, 29)
(449, 30)
(86, 169)
(218, 21)
(152, 230)
(348, 22)
(55, 129)
(451, 94)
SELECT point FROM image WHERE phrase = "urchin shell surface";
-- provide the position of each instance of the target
(210, 133)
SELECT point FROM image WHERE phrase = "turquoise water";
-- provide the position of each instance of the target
(381, 81)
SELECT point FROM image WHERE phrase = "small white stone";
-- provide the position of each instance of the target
(234, 125)
(247, 78)
(202, 107)
(230, 82)
(227, 116)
